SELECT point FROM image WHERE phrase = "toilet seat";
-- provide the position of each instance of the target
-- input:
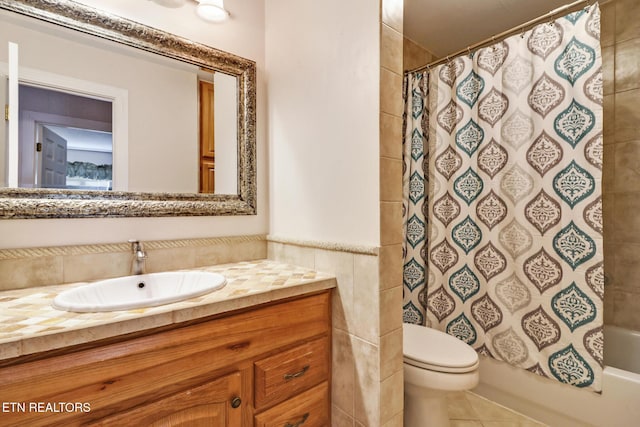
(430, 349)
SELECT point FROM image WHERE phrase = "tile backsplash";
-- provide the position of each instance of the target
(24, 268)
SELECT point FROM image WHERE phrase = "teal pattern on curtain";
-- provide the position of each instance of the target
(515, 243)
(415, 202)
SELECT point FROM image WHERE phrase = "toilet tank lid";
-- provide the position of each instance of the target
(433, 347)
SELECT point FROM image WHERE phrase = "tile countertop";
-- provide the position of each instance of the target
(29, 324)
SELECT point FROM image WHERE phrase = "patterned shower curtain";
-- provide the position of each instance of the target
(415, 196)
(515, 266)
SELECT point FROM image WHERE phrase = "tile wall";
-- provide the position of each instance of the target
(367, 380)
(21, 268)
(621, 175)
(359, 351)
(414, 55)
(368, 388)
(390, 258)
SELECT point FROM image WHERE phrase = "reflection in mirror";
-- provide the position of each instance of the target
(65, 141)
(159, 91)
(180, 123)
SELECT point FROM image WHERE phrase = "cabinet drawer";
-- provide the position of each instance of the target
(309, 409)
(288, 373)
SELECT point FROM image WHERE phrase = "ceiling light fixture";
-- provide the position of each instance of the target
(209, 10)
(212, 10)
(170, 3)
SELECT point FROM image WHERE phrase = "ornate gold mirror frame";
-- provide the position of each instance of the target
(48, 203)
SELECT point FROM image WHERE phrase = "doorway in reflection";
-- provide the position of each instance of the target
(65, 140)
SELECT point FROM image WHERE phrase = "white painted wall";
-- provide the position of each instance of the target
(225, 133)
(323, 66)
(243, 35)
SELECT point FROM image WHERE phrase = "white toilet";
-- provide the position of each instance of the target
(434, 364)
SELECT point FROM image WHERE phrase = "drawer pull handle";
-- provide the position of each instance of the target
(298, 374)
(299, 423)
(236, 402)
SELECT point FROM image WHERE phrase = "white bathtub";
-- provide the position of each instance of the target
(565, 406)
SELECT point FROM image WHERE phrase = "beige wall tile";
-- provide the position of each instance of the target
(627, 20)
(391, 49)
(226, 252)
(625, 307)
(170, 259)
(88, 267)
(609, 308)
(367, 382)
(390, 180)
(391, 93)
(414, 55)
(627, 167)
(366, 299)
(291, 254)
(627, 269)
(608, 113)
(610, 246)
(391, 353)
(390, 310)
(341, 308)
(608, 70)
(608, 216)
(214, 254)
(627, 115)
(343, 372)
(390, 259)
(607, 23)
(390, 223)
(627, 65)
(29, 272)
(626, 222)
(95, 262)
(392, 14)
(609, 168)
(391, 401)
(390, 136)
(341, 264)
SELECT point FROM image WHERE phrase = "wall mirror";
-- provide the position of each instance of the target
(165, 125)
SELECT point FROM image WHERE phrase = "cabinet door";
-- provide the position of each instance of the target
(308, 409)
(212, 404)
(286, 374)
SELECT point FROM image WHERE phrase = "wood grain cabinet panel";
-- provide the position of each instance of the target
(308, 409)
(217, 403)
(186, 375)
(285, 374)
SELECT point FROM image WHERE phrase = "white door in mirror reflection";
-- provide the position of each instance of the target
(85, 123)
(54, 160)
(88, 163)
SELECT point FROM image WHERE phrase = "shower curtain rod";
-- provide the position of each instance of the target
(501, 36)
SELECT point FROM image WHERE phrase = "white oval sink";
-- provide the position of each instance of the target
(144, 290)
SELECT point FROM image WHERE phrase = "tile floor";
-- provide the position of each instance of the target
(467, 409)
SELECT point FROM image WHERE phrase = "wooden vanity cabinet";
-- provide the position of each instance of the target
(260, 366)
(210, 404)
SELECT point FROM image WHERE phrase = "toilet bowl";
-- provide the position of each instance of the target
(434, 364)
